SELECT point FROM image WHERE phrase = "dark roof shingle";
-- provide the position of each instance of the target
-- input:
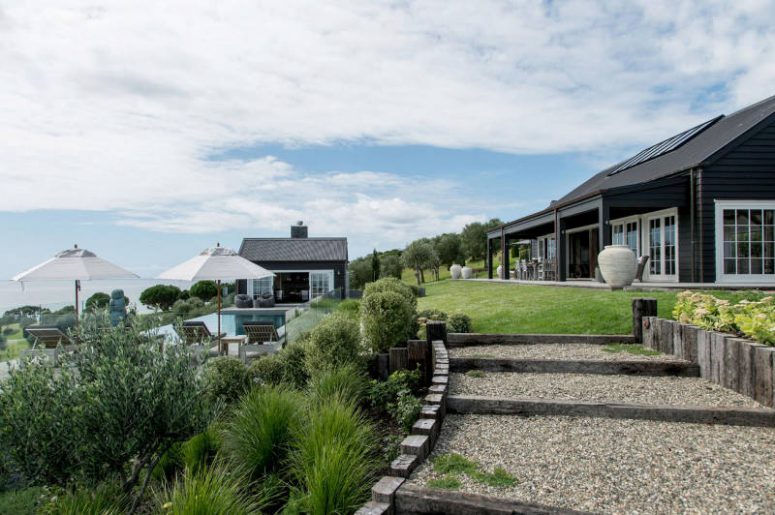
(692, 153)
(294, 249)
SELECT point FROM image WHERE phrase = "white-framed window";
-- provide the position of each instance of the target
(626, 232)
(321, 282)
(745, 241)
(661, 243)
(547, 247)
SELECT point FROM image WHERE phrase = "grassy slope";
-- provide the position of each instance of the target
(507, 308)
(15, 344)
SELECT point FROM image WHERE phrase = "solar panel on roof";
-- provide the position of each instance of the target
(663, 147)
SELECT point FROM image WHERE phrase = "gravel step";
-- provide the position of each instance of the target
(572, 351)
(676, 391)
(615, 466)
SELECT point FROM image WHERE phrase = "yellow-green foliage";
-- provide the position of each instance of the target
(755, 319)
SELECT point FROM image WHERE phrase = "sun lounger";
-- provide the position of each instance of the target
(262, 339)
(197, 335)
(48, 342)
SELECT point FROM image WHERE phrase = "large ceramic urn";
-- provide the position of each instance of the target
(618, 266)
(467, 272)
(455, 271)
(499, 271)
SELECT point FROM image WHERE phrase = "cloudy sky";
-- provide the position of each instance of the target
(147, 130)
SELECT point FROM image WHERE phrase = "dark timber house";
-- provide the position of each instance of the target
(700, 204)
(305, 268)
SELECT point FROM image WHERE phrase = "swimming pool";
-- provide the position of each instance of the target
(232, 320)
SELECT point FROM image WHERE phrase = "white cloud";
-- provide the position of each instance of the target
(116, 107)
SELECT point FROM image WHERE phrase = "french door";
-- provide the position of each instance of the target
(662, 246)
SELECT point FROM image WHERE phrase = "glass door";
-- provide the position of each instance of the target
(662, 247)
(321, 282)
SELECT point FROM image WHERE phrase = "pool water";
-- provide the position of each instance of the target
(231, 323)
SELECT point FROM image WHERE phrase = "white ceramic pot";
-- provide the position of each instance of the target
(455, 271)
(468, 272)
(500, 272)
(618, 266)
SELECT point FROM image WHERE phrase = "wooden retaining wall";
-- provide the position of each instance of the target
(432, 357)
(736, 363)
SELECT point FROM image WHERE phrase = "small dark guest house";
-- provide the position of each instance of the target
(699, 205)
(304, 267)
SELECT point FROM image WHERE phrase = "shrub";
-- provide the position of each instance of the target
(387, 319)
(26, 501)
(293, 358)
(211, 491)
(394, 285)
(226, 379)
(198, 452)
(407, 410)
(346, 383)
(459, 323)
(267, 370)
(188, 308)
(432, 314)
(161, 296)
(755, 319)
(334, 343)
(105, 499)
(256, 440)
(40, 427)
(396, 397)
(204, 290)
(138, 400)
(97, 301)
(286, 367)
(349, 306)
(333, 460)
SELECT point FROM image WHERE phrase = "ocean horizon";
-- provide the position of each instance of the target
(56, 295)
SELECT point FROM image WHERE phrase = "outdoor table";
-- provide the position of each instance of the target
(227, 340)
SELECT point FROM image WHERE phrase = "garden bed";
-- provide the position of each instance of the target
(561, 351)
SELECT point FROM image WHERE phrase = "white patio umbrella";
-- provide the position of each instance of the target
(74, 265)
(216, 264)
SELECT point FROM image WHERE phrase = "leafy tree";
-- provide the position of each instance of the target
(205, 290)
(390, 266)
(474, 238)
(449, 248)
(419, 255)
(360, 272)
(375, 267)
(99, 300)
(161, 296)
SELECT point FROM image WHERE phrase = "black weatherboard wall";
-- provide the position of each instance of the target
(298, 253)
(746, 171)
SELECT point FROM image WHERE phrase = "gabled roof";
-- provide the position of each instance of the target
(702, 143)
(294, 249)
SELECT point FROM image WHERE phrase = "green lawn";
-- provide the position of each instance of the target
(479, 271)
(511, 308)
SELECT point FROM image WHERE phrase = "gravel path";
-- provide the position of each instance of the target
(617, 466)
(549, 351)
(676, 391)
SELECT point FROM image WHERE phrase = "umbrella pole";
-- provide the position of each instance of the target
(77, 289)
(220, 348)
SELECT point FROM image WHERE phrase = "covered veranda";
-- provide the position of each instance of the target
(565, 239)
